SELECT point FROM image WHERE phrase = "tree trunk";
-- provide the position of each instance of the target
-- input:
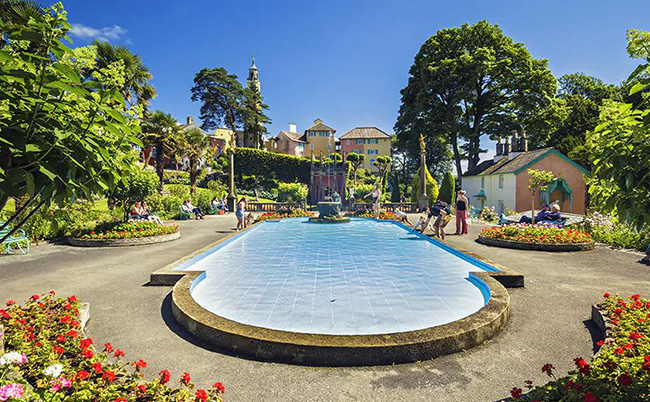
(459, 169)
(160, 169)
(532, 207)
(193, 171)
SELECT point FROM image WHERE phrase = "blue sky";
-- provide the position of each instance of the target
(343, 61)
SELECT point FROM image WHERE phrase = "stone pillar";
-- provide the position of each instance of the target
(231, 199)
(423, 199)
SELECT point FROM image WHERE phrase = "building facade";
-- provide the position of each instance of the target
(502, 182)
(369, 141)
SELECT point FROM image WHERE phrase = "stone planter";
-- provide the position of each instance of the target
(329, 209)
(534, 246)
(124, 242)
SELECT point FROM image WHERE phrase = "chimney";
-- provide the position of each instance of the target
(190, 120)
(506, 147)
(524, 140)
(293, 128)
(517, 146)
(499, 153)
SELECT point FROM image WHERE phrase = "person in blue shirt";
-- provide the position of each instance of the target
(542, 215)
(554, 216)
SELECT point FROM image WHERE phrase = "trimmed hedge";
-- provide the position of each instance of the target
(286, 168)
(448, 189)
(432, 187)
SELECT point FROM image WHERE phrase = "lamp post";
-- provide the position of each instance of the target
(231, 174)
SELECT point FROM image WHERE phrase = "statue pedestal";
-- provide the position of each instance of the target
(423, 202)
(329, 209)
(231, 200)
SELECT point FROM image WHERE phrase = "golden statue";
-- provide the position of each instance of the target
(423, 147)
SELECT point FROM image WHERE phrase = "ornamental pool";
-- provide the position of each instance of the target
(358, 278)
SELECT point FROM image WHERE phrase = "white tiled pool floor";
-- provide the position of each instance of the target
(361, 277)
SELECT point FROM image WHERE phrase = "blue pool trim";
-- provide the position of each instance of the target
(483, 287)
(206, 253)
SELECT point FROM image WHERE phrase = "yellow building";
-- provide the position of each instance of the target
(369, 141)
(320, 140)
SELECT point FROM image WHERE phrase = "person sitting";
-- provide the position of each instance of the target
(148, 215)
(541, 215)
(402, 217)
(249, 218)
(554, 216)
(191, 209)
(336, 197)
(136, 212)
(423, 220)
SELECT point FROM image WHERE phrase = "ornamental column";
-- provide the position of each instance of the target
(423, 199)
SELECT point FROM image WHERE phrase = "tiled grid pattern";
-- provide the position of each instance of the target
(362, 277)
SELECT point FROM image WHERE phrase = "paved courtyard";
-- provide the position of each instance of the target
(549, 322)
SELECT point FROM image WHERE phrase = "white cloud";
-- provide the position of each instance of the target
(115, 32)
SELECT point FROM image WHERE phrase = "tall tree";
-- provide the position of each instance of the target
(160, 131)
(137, 87)
(195, 146)
(356, 161)
(254, 117)
(583, 96)
(382, 163)
(468, 82)
(222, 103)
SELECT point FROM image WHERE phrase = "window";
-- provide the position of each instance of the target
(500, 181)
(370, 152)
(312, 134)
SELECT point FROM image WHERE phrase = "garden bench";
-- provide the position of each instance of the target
(18, 240)
(183, 215)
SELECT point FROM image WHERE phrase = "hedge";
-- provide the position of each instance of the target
(432, 188)
(286, 168)
(448, 188)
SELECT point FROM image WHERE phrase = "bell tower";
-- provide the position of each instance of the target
(253, 80)
(253, 137)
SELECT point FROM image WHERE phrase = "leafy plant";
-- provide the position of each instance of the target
(292, 192)
(134, 188)
(538, 180)
(126, 230)
(448, 188)
(286, 168)
(431, 187)
(537, 234)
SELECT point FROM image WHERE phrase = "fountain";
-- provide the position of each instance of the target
(329, 210)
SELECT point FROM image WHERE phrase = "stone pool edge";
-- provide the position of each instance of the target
(341, 350)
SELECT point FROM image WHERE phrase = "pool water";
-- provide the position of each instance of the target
(357, 278)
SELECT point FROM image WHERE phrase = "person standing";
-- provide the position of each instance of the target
(462, 203)
(241, 213)
(376, 197)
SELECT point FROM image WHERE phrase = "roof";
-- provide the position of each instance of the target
(365, 132)
(295, 137)
(184, 127)
(518, 163)
(319, 126)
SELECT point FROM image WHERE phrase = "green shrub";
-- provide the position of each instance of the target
(126, 230)
(133, 188)
(176, 177)
(286, 168)
(171, 205)
(361, 191)
(291, 192)
(178, 190)
(395, 194)
(432, 187)
(448, 188)
(608, 229)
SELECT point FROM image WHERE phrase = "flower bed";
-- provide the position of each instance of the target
(296, 213)
(536, 237)
(620, 371)
(48, 358)
(383, 215)
(126, 230)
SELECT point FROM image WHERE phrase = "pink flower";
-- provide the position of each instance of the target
(14, 391)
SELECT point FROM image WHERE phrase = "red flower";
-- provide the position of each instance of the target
(516, 392)
(109, 376)
(108, 347)
(4, 314)
(10, 303)
(618, 311)
(72, 299)
(628, 346)
(635, 297)
(66, 319)
(186, 379)
(140, 364)
(589, 397)
(606, 295)
(85, 343)
(646, 363)
(635, 335)
(624, 380)
(164, 376)
(97, 367)
(615, 321)
(119, 353)
(619, 351)
(60, 338)
(82, 375)
(219, 387)
(120, 399)
(34, 297)
(87, 353)
(58, 349)
(142, 388)
(201, 395)
(600, 342)
(72, 333)
(548, 368)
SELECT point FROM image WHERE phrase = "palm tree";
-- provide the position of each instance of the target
(160, 131)
(16, 14)
(196, 147)
(137, 86)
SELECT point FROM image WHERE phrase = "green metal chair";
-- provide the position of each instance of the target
(18, 240)
(183, 215)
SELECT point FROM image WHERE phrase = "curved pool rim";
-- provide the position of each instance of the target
(341, 350)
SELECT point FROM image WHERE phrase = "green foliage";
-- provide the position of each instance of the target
(468, 82)
(356, 161)
(431, 186)
(134, 188)
(610, 230)
(176, 177)
(254, 119)
(126, 230)
(291, 192)
(618, 150)
(448, 188)
(361, 190)
(382, 163)
(538, 180)
(178, 193)
(66, 132)
(160, 131)
(286, 168)
(221, 97)
(195, 146)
